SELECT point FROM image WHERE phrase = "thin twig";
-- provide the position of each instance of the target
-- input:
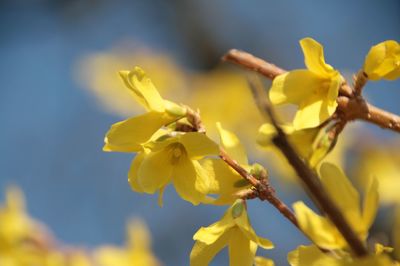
(262, 187)
(359, 82)
(309, 178)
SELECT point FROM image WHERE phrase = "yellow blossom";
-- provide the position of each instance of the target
(96, 73)
(320, 229)
(223, 95)
(128, 135)
(137, 251)
(383, 61)
(302, 140)
(174, 159)
(233, 230)
(383, 162)
(313, 256)
(314, 90)
(226, 182)
(15, 224)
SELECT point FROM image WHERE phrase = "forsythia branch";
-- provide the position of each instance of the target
(309, 178)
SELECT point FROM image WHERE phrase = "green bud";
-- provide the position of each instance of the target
(237, 209)
(258, 171)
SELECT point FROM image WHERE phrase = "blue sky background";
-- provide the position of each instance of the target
(52, 130)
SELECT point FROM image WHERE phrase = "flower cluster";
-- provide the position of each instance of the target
(24, 241)
(172, 146)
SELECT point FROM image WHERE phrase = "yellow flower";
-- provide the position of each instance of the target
(137, 251)
(226, 182)
(314, 90)
(233, 230)
(302, 140)
(96, 73)
(15, 224)
(174, 159)
(383, 162)
(130, 134)
(313, 256)
(383, 61)
(319, 228)
(223, 95)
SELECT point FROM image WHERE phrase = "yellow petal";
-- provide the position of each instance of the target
(395, 73)
(133, 172)
(318, 228)
(265, 134)
(203, 253)
(155, 171)
(311, 256)
(225, 181)
(383, 61)
(260, 261)
(198, 145)
(314, 57)
(241, 249)
(243, 223)
(371, 203)
(294, 87)
(303, 140)
(128, 135)
(143, 89)
(342, 192)
(312, 112)
(231, 144)
(209, 235)
(190, 181)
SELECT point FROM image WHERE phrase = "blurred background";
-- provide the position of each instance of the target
(60, 93)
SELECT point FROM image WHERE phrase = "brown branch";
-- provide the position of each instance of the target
(359, 82)
(262, 188)
(358, 108)
(309, 178)
(355, 107)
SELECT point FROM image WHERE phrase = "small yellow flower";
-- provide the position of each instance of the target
(96, 72)
(233, 230)
(383, 162)
(15, 224)
(302, 140)
(226, 182)
(174, 159)
(313, 256)
(319, 228)
(313, 90)
(130, 134)
(137, 251)
(383, 61)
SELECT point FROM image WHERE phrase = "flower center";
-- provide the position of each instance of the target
(177, 151)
